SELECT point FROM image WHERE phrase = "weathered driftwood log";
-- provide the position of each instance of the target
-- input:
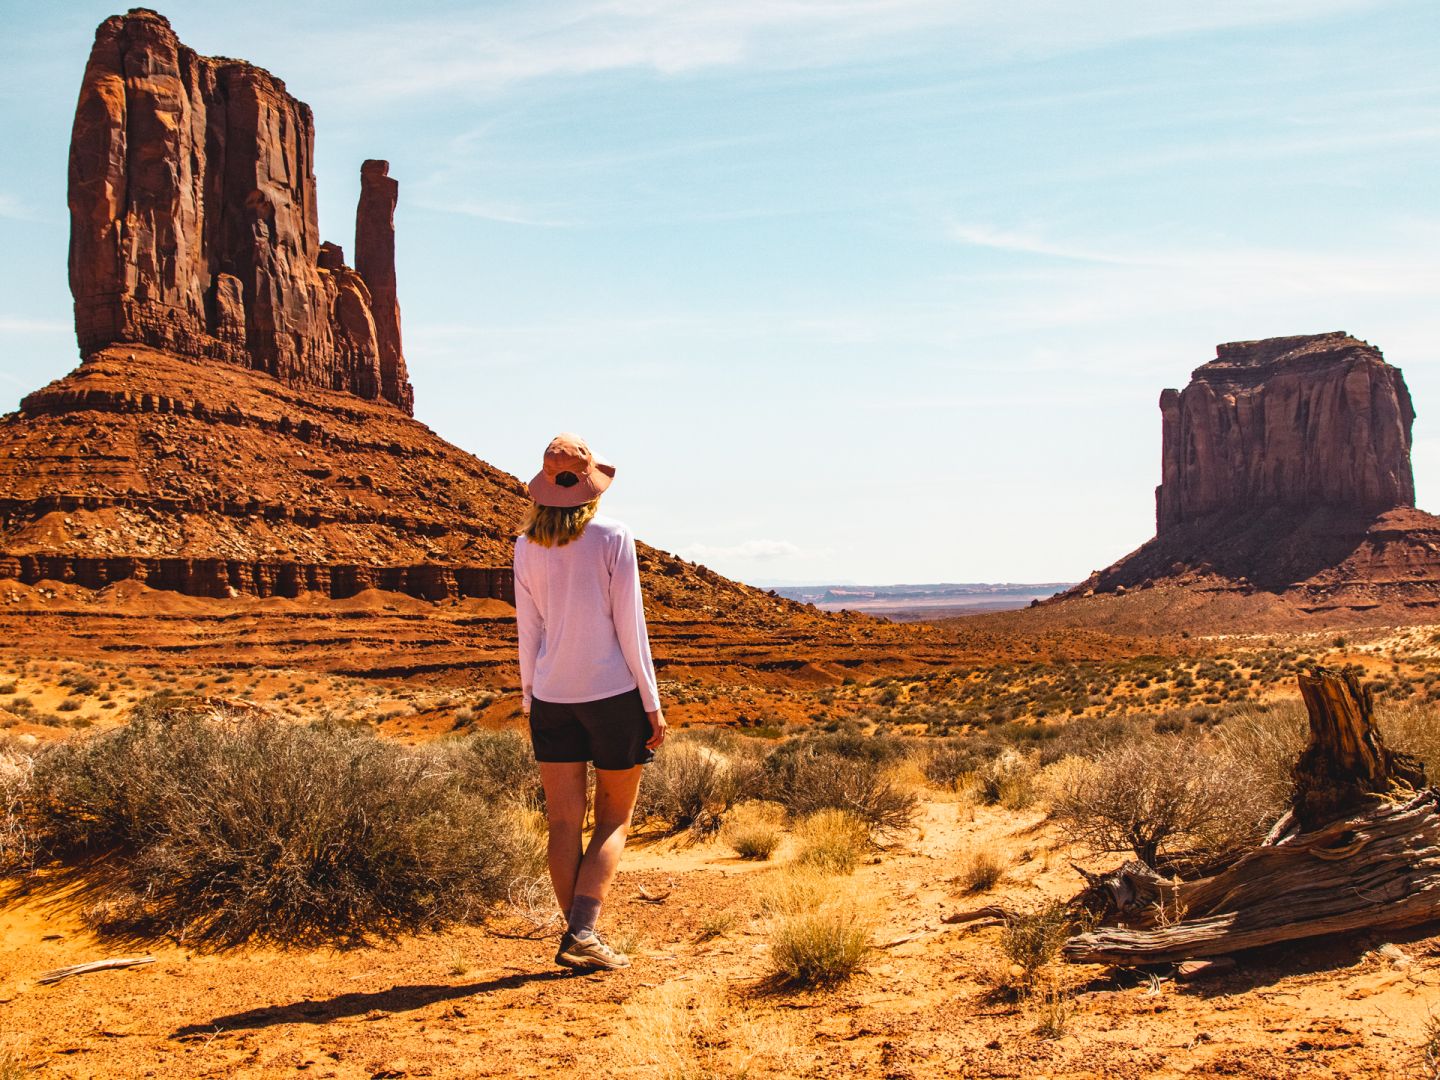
(1377, 870)
(1373, 863)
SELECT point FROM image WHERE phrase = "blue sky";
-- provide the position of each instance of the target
(872, 290)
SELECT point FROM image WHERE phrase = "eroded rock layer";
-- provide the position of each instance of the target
(201, 478)
(194, 225)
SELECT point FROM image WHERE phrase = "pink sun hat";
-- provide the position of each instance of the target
(572, 474)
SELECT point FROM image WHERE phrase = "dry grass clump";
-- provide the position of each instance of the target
(684, 1032)
(1176, 802)
(832, 841)
(218, 829)
(1031, 939)
(1268, 740)
(16, 849)
(754, 829)
(819, 933)
(981, 870)
(1415, 729)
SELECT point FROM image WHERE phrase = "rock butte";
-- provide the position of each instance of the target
(194, 226)
(241, 418)
(1286, 494)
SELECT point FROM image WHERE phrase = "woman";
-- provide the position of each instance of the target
(588, 682)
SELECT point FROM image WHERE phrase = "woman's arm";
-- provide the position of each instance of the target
(530, 627)
(628, 610)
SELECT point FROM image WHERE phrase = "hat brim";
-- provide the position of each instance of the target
(592, 484)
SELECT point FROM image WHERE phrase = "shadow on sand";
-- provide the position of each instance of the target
(395, 1000)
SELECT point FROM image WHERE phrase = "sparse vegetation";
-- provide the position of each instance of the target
(218, 829)
(1173, 801)
(981, 870)
(847, 773)
(688, 786)
(819, 934)
(754, 829)
(1031, 939)
(674, 1032)
(832, 841)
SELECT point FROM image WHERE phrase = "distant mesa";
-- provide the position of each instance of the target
(241, 422)
(1286, 495)
(1298, 422)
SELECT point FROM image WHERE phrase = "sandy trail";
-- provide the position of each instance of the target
(478, 1002)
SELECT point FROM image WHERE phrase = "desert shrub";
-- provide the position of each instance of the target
(1031, 938)
(819, 934)
(812, 774)
(820, 947)
(1176, 802)
(754, 829)
(954, 763)
(16, 851)
(832, 840)
(218, 829)
(496, 765)
(1009, 780)
(688, 786)
(981, 870)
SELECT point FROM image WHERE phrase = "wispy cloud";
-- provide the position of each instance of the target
(748, 551)
(501, 45)
(498, 212)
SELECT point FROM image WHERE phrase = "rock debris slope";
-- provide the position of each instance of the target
(241, 418)
(1286, 496)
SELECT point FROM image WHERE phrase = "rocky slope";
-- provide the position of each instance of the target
(1286, 498)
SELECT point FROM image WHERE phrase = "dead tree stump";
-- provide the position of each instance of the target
(1345, 766)
(1365, 855)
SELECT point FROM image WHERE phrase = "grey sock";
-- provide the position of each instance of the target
(584, 910)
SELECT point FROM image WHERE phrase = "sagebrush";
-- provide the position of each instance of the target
(218, 829)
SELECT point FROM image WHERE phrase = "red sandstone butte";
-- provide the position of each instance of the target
(1286, 496)
(194, 226)
(1320, 420)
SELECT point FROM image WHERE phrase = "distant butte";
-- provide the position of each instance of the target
(1286, 498)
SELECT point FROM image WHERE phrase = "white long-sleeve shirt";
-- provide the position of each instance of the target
(581, 619)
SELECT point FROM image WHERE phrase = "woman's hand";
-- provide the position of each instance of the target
(657, 729)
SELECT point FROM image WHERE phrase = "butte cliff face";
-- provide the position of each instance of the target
(1286, 496)
(194, 226)
(1298, 422)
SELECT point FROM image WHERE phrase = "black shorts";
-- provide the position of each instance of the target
(610, 732)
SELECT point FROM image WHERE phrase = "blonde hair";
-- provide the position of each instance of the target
(556, 526)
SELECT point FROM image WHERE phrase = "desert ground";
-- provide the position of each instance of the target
(481, 996)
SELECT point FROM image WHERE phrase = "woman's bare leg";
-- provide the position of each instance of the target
(615, 791)
(564, 783)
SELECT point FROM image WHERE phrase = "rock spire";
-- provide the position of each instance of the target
(194, 228)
